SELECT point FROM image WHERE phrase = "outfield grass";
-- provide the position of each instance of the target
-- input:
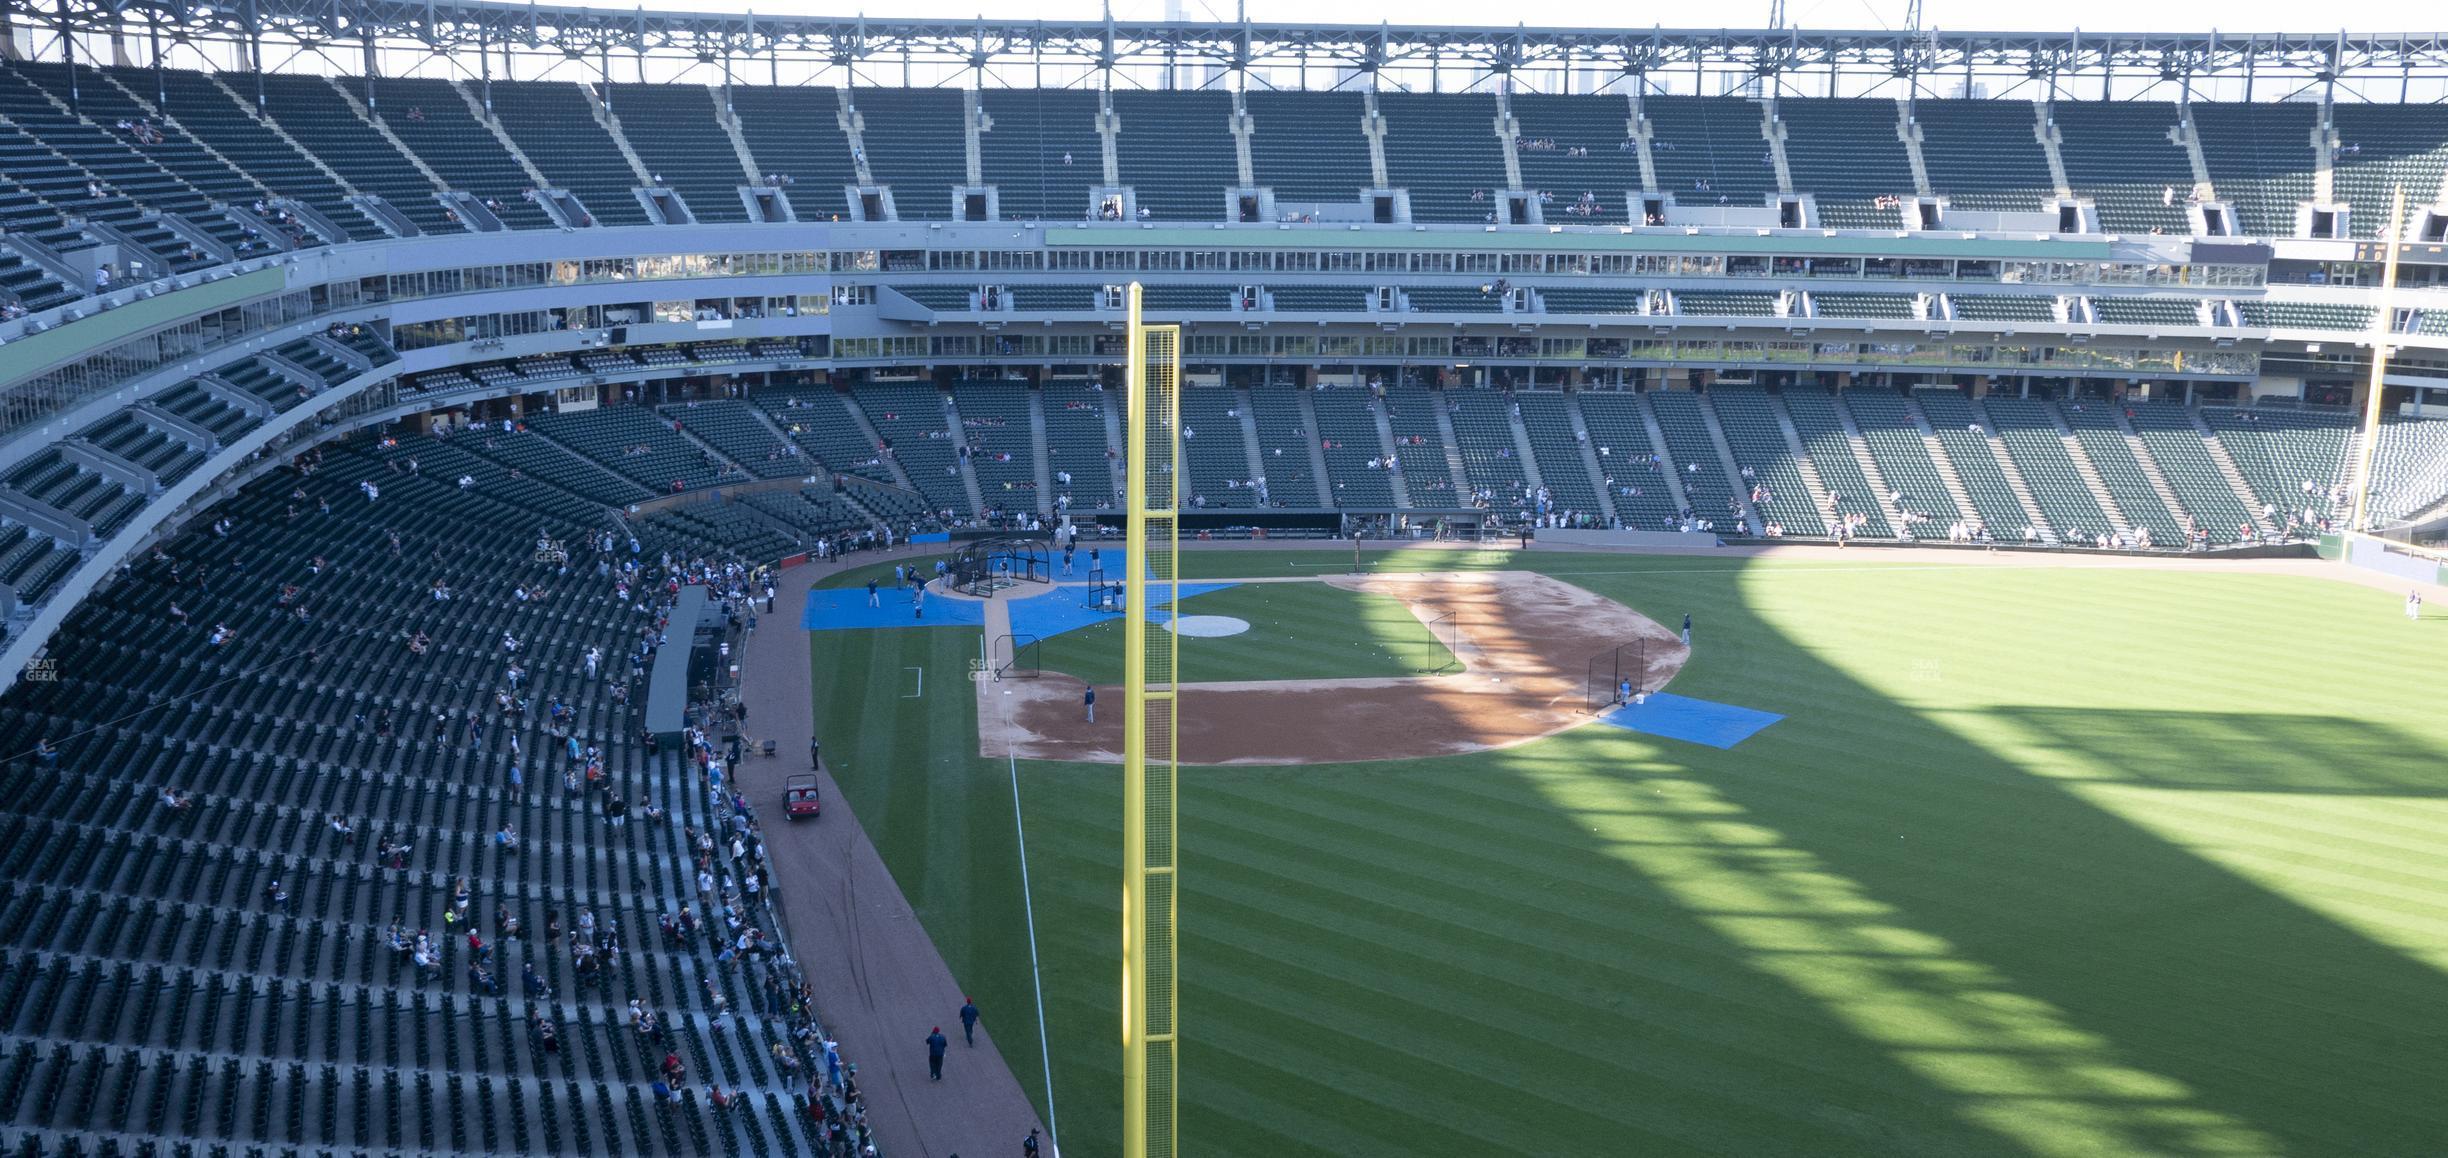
(1298, 631)
(2041, 861)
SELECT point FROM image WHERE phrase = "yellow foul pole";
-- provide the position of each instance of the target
(2382, 327)
(1151, 559)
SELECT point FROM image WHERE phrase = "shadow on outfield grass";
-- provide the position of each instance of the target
(2166, 1003)
(2233, 751)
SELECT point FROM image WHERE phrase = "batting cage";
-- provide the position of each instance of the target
(985, 566)
(1612, 671)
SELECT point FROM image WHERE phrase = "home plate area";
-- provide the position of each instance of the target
(1523, 650)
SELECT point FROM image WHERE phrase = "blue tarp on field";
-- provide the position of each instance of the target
(845, 609)
(1697, 721)
(1061, 610)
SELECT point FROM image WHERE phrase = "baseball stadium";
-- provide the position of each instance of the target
(716, 583)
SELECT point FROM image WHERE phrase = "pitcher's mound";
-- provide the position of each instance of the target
(1208, 626)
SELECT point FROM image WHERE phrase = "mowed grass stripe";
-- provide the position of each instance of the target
(1583, 1100)
(1702, 1036)
(2261, 831)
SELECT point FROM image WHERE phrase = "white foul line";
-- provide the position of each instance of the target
(1045, 1053)
(921, 692)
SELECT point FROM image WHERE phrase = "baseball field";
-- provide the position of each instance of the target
(2039, 860)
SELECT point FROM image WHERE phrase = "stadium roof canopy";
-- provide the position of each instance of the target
(352, 35)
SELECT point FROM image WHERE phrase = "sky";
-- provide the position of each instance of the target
(1849, 15)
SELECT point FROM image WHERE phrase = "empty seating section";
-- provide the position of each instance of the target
(1443, 147)
(812, 513)
(433, 120)
(1718, 304)
(2119, 154)
(105, 104)
(59, 482)
(819, 421)
(673, 130)
(1355, 454)
(554, 125)
(161, 1001)
(2119, 311)
(2382, 146)
(1182, 298)
(141, 182)
(1284, 438)
(796, 132)
(197, 105)
(1627, 460)
(1893, 307)
(1591, 300)
(1692, 455)
(1822, 431)
(2002, 308)
(30, 285)
(2103, 441)
(310, 355)
(2261, 160)
(717, 521)
(1483, 432)
(1708, 150)
(2409, 467)
(1176, 152)
(1547, 419)
(2039, 452)
(1420, 447)
(1077, 443)
(266, 381)
(128, 437)
(1895, 445)
(1967, 448)
(32, 565)
(37, 189)
(940, 298)
(732, 427)
(2306, 315)
(368, 343)
(1748, 417)
(1308, 146)
(1214, 449)
(2292, 457)
(67, 190)
(190, 401)
(1984, 155)
(1321, 298)
(1002, 452)
(1043, 152)
(1552, 127)
(530, 454)
(911, 418)
(318, 117)
(1452, 299)
(2176, 445)
(1074, 298)
(1846, 153)
(916, 145)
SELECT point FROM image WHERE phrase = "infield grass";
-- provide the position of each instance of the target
(2041, 861)
(1298, 631)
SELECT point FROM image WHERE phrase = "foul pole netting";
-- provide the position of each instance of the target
(1150, 758)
